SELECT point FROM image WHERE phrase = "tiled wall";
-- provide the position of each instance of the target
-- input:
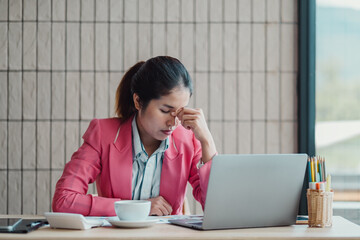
(61, 61)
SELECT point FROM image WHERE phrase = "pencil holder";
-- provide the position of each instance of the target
(320, 208)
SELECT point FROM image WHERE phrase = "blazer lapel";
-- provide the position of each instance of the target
(170, 173)
(120, 162)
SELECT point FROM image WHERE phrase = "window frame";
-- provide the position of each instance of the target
(306, 86)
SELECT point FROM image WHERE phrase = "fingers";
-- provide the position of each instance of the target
(159, 211)
(164, 206)
(175, 113)
(188, 112)
(167, 206)
(189, 124)
(160, 207)
(177, 122)
(191, 118)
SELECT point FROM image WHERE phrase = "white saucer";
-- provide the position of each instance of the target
(131, 224)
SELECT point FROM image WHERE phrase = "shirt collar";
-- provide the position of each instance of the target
(138, 147)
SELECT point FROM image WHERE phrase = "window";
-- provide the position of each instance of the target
(337, 128)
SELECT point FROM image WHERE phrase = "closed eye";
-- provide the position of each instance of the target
(164, 111)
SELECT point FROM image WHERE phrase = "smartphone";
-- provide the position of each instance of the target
(9, 223)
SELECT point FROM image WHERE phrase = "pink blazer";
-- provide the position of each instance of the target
(109, 163)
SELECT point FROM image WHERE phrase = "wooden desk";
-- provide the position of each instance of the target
(342, 229)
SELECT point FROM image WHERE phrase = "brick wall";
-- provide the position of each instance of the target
(61, 61)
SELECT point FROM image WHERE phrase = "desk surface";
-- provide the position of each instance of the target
(341, 229)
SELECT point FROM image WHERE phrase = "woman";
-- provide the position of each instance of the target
(149, 152)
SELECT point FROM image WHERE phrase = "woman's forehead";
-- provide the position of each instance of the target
(175, 99)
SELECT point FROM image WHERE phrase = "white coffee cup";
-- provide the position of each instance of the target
(132, 210)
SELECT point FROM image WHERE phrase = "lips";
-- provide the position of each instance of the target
(166, 132)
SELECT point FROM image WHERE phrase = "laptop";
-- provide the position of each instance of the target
(245, 191)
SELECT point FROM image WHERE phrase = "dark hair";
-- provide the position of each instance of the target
(149, 80)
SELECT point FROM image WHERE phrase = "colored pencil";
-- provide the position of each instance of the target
(317, 169)
(323, 170)
(320, 171)
(312, 169)
(325, 174)
(309, 170)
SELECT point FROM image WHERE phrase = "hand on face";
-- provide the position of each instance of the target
(159, 206)
(194, 120)
(176, 120)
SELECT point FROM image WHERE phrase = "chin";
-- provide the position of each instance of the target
(161, 138)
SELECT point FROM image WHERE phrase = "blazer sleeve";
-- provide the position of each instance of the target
(83, 168)
(199, 178)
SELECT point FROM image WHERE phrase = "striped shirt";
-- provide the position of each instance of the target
(146, 170)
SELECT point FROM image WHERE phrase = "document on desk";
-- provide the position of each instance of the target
(78, 221)
(98, 219)
(161, 219)
(165, 219)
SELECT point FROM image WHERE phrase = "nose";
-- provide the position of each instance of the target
(172, 121)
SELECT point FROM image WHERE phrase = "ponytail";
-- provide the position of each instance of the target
(124, 103)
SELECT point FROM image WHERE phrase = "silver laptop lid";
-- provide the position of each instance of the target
(254, 190)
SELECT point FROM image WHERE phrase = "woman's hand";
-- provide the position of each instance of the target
(159, 206)
(194, 120)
